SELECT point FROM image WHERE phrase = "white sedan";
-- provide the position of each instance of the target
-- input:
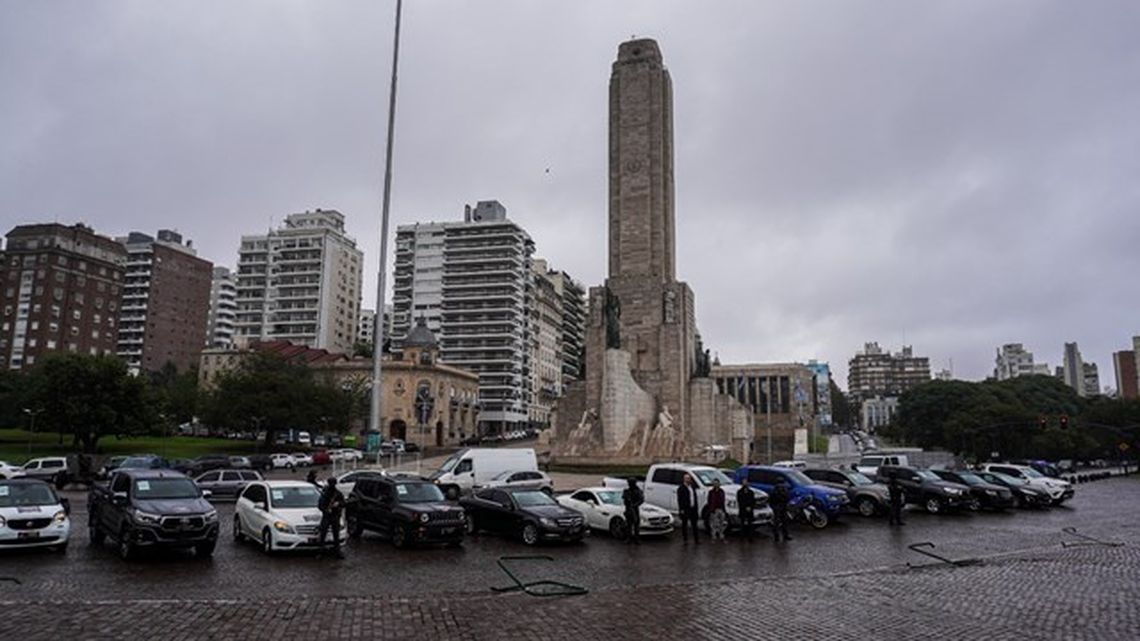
(9, 471)
(522, 480)
(280, 515)
(32, 515)
(603, 509)
(301, 459)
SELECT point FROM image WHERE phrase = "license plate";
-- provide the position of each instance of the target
(28, 535)
(447, 530)
(312, 539)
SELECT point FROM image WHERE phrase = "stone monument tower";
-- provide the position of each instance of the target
(637, 402)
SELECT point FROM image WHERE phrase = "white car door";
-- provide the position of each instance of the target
(253, 519)
(577, 503)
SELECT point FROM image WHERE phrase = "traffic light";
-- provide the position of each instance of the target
(1042, 422)
(1064, 421)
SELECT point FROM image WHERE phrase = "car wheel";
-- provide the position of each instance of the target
(126, 548)
(238, 535)
(267, 541)
(933, 505)
(355, 529)
(817, 518)
(289, 466)
(95, 533)
(866, 506)
(618, 529)
(530, 534)
(400, 536)
(205, 549)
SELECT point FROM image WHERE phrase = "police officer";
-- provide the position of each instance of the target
(746, 502)
(331, 505)
(896, 494)
(687, 507)
(311, 477)
(632, 497)
(779, 502)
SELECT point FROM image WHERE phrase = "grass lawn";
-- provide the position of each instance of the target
(14, 446)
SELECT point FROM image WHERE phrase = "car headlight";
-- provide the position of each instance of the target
(951, 491)
(60, 516)
(424, 518)
(211, 516)
(282, 526)
(548, 522)
(3, 523)
(147, 517)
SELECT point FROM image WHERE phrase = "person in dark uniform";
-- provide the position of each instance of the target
(779, 502)
(311, 477)
(746, 502)
(632, 497)
(687, 506)
(896, 493)
(331, 505)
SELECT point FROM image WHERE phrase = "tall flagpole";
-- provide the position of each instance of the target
(378, 321)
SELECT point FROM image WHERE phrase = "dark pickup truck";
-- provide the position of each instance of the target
(140, 508)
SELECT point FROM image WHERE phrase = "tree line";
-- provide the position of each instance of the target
(86, 398)
(1025, 417)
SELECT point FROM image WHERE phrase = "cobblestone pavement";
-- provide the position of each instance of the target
(845, 582)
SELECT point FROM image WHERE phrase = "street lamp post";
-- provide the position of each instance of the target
(31, 426)
(378, 320)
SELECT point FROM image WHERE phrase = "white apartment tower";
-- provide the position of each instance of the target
(546, 357)
(300, 283)
(223, 309)
(1013, 360)
(471, 282)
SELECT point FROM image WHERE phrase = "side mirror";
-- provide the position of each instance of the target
(260, 505)
(207, 494)
(119, 499)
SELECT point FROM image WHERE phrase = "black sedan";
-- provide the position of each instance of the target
(530, 515)
(983, 494)
(1024, 494)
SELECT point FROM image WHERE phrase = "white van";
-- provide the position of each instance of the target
(303, 438)
(869, 464)
(470, 469)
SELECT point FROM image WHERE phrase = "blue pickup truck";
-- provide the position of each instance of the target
(829, 502)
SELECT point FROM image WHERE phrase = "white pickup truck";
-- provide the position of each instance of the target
(660, 488)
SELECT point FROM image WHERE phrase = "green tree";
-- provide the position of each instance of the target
(89, 397)
(176, 393)
(840, 409)
(13, 390)
(272, 394)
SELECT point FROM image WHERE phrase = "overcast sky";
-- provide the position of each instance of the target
(952, 175)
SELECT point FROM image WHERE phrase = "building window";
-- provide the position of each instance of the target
(59, 277)
(97, 318)
(50, 344)
(95, 334)
(76, 314)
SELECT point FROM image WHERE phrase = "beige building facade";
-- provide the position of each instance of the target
(782, 396)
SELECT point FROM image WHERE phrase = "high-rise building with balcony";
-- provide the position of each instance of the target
(1073, 369)
(300, 283)
(875, 372)
(1126, 364)
(471, 283)
(1012, 360)
(166, 300)
(60, 290)
(546, 356)
(223, 309)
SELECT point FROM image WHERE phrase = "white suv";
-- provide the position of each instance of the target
(283, 461)
(1059, 491)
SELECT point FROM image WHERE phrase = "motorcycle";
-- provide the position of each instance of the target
(803, 510)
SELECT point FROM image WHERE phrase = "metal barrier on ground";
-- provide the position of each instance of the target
(544, 588)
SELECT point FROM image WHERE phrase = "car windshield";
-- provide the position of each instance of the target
(859, 479)
(448, 465)
(612, 497)
(300, 496)
(799, 477)
(707, 475)
(26, 495)
(159, 488)
(1032, 473)
(533, 499)
(928, 475)
(1009, 480)
(970, 479)
(418, 493)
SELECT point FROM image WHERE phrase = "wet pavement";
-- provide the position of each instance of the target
(437, 582)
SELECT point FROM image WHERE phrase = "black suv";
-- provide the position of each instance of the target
(982, 493)
(528, 514)
(925, 488)
(151, 508)
(408, 510)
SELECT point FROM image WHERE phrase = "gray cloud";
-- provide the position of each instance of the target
(950, 174)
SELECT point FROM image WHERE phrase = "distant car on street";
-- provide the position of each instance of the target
(302, 459)
(1059, 491)
(866, 497)
(49, 468)
(226, 484)
(144, 462)
(9, 471)
(240, 463)
(208, 462)
(527, 480)
(797, 465)
(283, 461)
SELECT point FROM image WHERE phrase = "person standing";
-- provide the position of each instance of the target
(896, 494)
(779, 501)
(632, 498)
(746, 501)
(331, 505)
(687, 507)
(718, 517)
(311, 477)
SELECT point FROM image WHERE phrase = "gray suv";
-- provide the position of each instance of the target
(867, 497)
